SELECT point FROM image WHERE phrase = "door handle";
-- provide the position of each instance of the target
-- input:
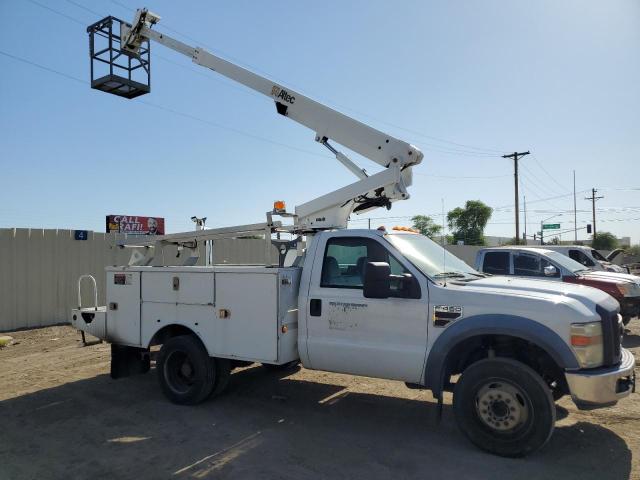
(315, 307)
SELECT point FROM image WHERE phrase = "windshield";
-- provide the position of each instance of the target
(597, 256)
(429, 257)
(565, 262)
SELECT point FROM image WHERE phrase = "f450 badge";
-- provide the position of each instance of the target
(445, 314)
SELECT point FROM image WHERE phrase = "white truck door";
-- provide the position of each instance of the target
(348, 333)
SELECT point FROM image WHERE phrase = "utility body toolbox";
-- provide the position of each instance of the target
(238, 312)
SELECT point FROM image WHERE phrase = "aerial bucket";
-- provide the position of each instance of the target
(114, 70)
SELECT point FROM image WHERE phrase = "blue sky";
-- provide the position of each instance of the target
(462, 80)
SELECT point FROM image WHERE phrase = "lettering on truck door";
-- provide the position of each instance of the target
(349, 333)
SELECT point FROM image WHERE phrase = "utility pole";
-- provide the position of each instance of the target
(516, 156)
(593, 199)
(524, 235)
(575, 214)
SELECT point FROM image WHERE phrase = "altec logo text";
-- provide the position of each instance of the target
(282, 94)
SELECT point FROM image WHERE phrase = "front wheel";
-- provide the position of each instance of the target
(186, 374)
(504, 407)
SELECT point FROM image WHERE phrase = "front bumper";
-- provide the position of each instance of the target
(603, 387)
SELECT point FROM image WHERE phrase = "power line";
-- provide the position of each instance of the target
(541, 200)
(489, 177)
(540, 184)
(533, 192)
(48, 69)
(553, 178)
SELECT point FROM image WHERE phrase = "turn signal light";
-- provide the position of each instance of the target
(279, 206)
(584, 341)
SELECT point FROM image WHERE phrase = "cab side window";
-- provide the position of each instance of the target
(496, 263)
(580, 257)
(345, 259)
(526, 265)
(529, 265)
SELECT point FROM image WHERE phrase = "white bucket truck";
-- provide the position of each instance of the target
(385, 304)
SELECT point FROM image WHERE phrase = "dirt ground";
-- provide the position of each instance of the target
(62, 417)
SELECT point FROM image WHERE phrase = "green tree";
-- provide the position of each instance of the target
(468, 223)
(633, 250)
(426, 226)
(604, 241)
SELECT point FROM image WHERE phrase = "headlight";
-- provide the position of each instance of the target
(586, 341)
(629, 289)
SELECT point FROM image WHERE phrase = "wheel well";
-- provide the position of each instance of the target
(479, 347)
(165, 333)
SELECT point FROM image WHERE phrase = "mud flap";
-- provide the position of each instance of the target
(127, 361)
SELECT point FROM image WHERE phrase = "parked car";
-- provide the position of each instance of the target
(587, 256)
(548, 264)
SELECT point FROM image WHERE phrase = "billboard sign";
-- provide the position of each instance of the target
(134, 225)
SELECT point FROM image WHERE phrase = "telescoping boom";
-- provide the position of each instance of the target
(333, 209)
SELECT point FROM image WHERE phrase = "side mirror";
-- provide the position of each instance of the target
(377, 281)
(550, 271)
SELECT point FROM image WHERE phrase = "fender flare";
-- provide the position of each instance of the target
(479, 325)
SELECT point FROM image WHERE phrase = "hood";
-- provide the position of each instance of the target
(547, 289)
(619, 277)
(610, 267)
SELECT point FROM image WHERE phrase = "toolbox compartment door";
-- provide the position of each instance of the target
(193, 288)
(123, 307)
(246, 316)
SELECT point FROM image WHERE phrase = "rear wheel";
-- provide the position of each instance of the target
(186, 374)
(504, 407)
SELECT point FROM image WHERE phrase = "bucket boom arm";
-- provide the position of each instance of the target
(333, 209)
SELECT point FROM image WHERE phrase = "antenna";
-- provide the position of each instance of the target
(442, 243)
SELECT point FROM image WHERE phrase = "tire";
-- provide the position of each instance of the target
(186, 374)
(223, 374)
(520, 414)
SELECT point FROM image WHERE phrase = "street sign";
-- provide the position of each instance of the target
(551, 226)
